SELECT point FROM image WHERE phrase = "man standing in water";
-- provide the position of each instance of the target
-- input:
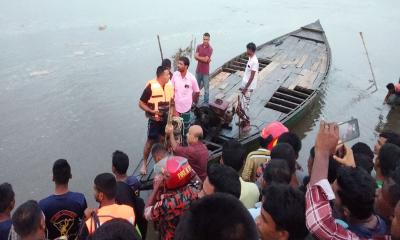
(186, 91)
(203, 57)
(249, 82)
(155, 102)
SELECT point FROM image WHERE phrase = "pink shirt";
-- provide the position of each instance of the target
(397, 87)
(184, 89)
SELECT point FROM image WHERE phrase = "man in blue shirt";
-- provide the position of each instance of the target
(64, 210)
(7, 202)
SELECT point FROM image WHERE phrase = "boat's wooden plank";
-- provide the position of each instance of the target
(220, 77)
(311, 35)
(283, 102)
(307, 78)
(287, 42)
(320, 31)
(322, 69)
(289, 83)
(262, 75)
(314, 26)
(316, 65)
(267, 52)
(308, 38)
(302, 61)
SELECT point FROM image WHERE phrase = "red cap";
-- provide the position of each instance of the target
(275, 129)
(178, 171)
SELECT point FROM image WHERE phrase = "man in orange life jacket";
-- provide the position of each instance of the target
(155, 101)
(105, 188)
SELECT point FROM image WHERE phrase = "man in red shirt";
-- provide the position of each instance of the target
(196, 152)
(203, 57)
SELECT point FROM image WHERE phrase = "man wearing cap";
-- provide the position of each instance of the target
(176, 194)
(196, 152)
(267, 140)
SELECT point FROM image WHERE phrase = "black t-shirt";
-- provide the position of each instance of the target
(5, 227)
(146, 95)
(126, 195)
(64, 214)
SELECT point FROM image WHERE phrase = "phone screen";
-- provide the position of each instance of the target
(348, 130)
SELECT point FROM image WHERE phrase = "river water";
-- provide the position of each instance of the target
(69, 90)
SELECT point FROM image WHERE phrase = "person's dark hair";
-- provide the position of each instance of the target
(214, 217)
(224, 179)
(312, 152)
(362, 148)
(7, 196)
(27, 218)
(389, 158)
(390, 87)
(160, 70)
(332, 169)
(106, 183)
(185, 61)
(286, 206)
(116, 228)
(356, 191)
(292, 139)
(285, 151)
(251, 46)
(364, 161)
(233, 154)
(394, 189)
(265, 141)
(206, 34)
(158, 149)
(61, 171)
(391, 137)
(120, 162)
(277, 171)
(166, 63)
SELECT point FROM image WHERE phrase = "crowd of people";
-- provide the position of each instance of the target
(339, 199)
(345, 193)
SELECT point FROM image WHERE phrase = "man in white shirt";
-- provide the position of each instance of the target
(249, 82)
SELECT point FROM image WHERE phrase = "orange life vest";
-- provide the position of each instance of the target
(109, 212)
(160, 97)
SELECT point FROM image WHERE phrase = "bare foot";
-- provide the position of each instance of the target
(143, 169)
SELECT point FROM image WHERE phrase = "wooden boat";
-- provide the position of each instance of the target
(292, 69)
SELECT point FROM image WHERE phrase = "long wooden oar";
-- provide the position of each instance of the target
(159, 46)
(370, 64)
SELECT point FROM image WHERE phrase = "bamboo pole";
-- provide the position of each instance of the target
(369, 62)
(159, 46)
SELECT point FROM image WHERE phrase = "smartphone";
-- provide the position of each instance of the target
(348, 130)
